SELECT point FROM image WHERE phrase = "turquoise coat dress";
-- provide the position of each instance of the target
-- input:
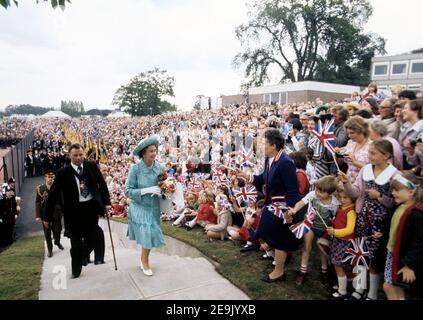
(144, 211)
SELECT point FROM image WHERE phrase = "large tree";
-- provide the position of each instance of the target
(308, 40)
(72, 108)
(54, 3)
(143, 94)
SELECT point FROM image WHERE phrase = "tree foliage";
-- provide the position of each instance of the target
(72, 108)
(308, 40)
(143, 94)
(25, 109)
(54, 3)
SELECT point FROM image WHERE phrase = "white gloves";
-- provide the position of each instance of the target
(151, 190)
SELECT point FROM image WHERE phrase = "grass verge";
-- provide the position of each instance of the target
(20, 269)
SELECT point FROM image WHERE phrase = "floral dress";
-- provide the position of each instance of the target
(374, 215)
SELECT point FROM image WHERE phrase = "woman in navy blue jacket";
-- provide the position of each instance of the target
(279, 184)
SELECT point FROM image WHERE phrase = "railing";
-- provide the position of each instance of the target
(12, 164)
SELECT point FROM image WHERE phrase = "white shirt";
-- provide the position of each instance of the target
(270, 162)
(81, 198)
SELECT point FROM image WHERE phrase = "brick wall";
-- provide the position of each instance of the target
(239, 99)
(304, 96)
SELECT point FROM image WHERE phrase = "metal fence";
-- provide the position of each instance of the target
(13, 163)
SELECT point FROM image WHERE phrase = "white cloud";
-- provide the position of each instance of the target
(86, 52)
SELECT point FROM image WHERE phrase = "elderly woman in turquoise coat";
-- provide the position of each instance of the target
(144, 209)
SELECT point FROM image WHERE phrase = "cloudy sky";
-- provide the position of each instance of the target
(88, 51)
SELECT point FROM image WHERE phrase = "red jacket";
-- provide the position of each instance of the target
(340, 221)
(303, 183)
(205, 213)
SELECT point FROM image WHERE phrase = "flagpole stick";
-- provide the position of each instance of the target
(334, 159)
(321, 218)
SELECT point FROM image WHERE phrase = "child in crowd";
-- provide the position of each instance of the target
(310, 167)
(117, 208)
(324, 202)
(372, 191)
(188, 212)
(124, 203)
(224, 219)
(205, 214)
(300, 161)
(252, 219)
(342, 231)
(404, 260)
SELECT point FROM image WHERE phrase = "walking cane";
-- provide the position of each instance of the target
(111, 240)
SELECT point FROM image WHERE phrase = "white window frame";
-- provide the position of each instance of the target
(377, 64)
(406, 62)
(414, 87)
(411, 67)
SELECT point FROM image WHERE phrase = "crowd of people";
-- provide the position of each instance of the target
(360, 186)
(12, 130)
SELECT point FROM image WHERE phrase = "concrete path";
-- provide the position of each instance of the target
(25, 224)
(180, 273)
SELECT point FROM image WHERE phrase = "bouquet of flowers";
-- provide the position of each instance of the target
(168, 186)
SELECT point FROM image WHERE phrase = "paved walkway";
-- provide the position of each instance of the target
(180, 273)
(26, 225)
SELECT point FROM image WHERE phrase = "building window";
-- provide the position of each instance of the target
(274, 98)
(381, 70)
(284, 97)
(414, 87)
(417, 67)
(399, 68)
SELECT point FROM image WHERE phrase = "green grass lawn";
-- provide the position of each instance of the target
(20, 269)
(245, 269)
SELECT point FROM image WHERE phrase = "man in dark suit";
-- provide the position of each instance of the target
(29, 164)
(85, 198)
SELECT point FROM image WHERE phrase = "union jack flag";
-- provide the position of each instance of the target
(216, 167)
(300, 229)
(194, 184)
(245, 156)
(229, 160)
(357, 253)
(201, 176)
(251, 133)
(278, 209)
(220, 179)
(248, 193)
(311, 213)
(325, 134)
(218, 176)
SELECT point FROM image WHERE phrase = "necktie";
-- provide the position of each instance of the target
(83, 188)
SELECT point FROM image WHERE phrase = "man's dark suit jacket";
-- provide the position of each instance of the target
(65, 184)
